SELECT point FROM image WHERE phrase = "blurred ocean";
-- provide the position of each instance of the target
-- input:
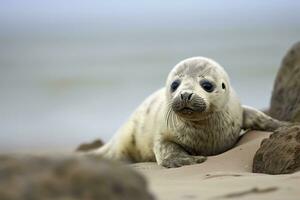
(71, 72)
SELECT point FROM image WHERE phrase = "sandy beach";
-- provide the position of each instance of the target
(225, 176)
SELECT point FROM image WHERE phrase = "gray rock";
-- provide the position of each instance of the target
(285, 101)
(280, 154)
(68, 178)
(85, 147)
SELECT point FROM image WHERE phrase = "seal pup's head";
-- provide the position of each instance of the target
(197, 87)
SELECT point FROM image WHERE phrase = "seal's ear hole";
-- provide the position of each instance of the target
(223, 86)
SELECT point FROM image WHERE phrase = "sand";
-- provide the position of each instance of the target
(225, 176)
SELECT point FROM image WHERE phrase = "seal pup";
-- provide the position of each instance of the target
(197, 114)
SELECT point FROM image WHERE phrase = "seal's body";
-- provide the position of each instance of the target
(196, 114)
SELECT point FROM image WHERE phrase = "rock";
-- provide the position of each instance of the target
(280, 153)
(285, 101)
(68, 178)
(90, 146)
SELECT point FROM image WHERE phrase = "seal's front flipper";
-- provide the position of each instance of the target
(256, 120)
(171, 155)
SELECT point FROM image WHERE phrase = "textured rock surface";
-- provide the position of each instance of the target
(90, 146)
(280, 153)
(285, 102)
(39, 178)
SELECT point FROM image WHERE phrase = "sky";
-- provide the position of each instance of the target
(147, 13)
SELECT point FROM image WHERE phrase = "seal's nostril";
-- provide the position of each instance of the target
(190, 96)
(186, 96)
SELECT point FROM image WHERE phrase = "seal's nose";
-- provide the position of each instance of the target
(186, 96)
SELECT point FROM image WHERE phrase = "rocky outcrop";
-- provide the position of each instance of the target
(90, 146)
(280, 153)
(285, 101)
(68, 178)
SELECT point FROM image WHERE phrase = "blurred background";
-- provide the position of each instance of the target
(72, 71)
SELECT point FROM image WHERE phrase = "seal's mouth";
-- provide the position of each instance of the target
(186, 110)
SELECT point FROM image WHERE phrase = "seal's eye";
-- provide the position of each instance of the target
(175, 85)
(207, 86)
